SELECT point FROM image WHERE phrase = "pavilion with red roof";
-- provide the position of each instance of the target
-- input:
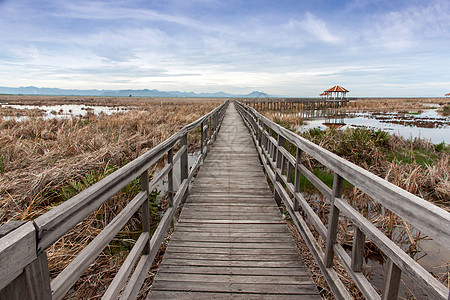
(336, 92)
(323, 95)
(447, 95)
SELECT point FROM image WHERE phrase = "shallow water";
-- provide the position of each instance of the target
(427, 124)
(64, 110)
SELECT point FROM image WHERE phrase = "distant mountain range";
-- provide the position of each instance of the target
(31, 90)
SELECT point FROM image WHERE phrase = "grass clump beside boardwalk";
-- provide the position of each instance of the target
(45, 162)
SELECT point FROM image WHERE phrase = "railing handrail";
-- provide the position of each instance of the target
(420, 213)
(23, 250)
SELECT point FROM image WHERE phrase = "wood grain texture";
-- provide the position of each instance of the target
(231, 240)
(17, 250)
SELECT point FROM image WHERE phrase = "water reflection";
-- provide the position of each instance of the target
(427, 124)
(64, 110)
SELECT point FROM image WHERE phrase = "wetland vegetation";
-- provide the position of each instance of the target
(414, 164)
(45, 161)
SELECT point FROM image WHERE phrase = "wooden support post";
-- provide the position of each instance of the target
(34, 282)
(145, 210)
(202, 137)
(184, 164)
(209, 128)
(260, 134)
(358, 249)
(170, 178)
(333, 222)
(273, 148)
(391, 281)
(298, 174)
(38, 278)
(281, 142)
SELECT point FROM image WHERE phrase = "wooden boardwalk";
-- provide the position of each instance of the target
(231, 240)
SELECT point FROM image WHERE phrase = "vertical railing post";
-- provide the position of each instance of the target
(358, 249)
(260, 134)
(215, 126)
(184, 171)
(202, 137)
(391, 281)
(333, 221)
(297, 175)
(145, 210)
(33, 281)
(170, 177)
(278, 163)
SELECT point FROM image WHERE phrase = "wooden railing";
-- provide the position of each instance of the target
(23, 261)
(284, 171)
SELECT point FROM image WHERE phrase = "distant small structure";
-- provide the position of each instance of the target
(447, 95)
(336, 92)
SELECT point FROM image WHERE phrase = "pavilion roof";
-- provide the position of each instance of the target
(337, 88)
(448, 94)
(323, 94)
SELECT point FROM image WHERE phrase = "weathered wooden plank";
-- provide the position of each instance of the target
(233, 270)
(252, 288)
(207, 295)
(226, 216)
(219, 230)
(232, 221)
(231, 251)
(227, 239)
(234, 245)
(38, 279)
(264, 279)
(17, 250)
(10, 226)
(203, 234)
(221, 263)
(212, 227)
(234, 257)
(221, 205)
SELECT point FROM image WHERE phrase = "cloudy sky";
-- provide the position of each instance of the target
(289, 48)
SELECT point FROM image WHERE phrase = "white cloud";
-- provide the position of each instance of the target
(410, 27)
(316, 27)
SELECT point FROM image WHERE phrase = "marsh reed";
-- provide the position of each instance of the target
(44, 162)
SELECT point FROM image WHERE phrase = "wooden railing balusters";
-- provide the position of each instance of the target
(391, 281)
(184, 171)
(297, 178)
(145, 207)
(359, 239)
(170, 178)
(333, 221)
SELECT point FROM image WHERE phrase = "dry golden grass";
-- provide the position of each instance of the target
(41, 160)
(394, 104)
(416, 165)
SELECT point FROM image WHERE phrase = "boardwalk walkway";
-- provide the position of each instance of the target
(230, 240)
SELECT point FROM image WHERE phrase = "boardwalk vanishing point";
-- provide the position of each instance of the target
(231, 241)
